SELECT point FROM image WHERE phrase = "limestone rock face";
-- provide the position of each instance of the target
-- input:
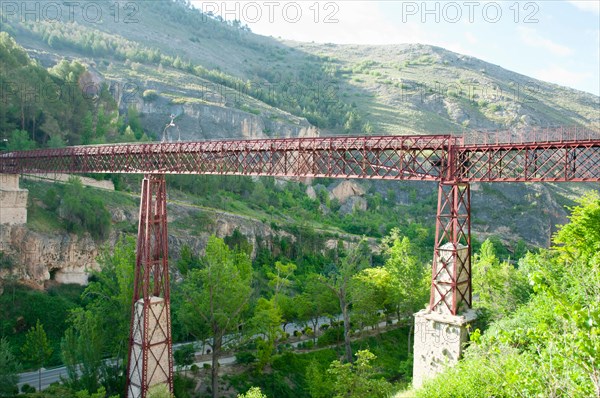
(345, 190)
(39, 257)
(69, 258)
(353, 203)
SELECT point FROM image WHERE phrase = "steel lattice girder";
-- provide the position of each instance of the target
(386, 157)
(382, 157)
(150, 359)
(451, 274)
(551, 162)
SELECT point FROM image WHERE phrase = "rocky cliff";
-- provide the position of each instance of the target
(69, 258)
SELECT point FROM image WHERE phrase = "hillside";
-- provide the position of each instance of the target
(223, 81)
(347, 261)
(198, 63)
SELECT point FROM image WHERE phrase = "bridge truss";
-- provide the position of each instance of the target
(557, 155)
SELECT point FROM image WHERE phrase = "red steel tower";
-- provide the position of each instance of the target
(150, 350)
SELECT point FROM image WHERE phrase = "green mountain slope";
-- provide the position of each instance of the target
(223, 81)
(188, 57)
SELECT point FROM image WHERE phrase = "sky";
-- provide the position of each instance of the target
(551, 40)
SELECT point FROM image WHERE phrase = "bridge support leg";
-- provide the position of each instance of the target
(441, 329)
(150, 360)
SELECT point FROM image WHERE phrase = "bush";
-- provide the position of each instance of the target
(245, 357)
(84, 211)
(331, 336)
(150, 95)
(27, 389)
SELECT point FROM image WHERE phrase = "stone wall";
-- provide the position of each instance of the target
(439, 342)
(13, 200)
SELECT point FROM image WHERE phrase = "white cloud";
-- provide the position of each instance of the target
(343, 22)
(532, 38)
(471, 38)
(588, 5)
(559, 75)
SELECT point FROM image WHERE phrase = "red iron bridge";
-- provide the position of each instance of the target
(543, 155)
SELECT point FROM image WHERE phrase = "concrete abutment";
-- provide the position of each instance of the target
(13, 200)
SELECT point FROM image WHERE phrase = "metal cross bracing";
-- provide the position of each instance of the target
(385, 157)
(552, 155)
(380, 157)
(150, 359)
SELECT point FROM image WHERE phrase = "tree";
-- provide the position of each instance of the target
(83, 349)
(159, 391)
(357, 380)
(37, 348)
(184, 356)
(372, 290)
(253, 392)
(105, 320)
(215, 296)
(500, 286)
(410, 280)
(338, 281)
(9, 368)
(319, 384)
(19, 141)
(315, 302)
(266, 321)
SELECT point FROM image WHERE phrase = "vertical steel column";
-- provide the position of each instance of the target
(150, 359)
(451, 276)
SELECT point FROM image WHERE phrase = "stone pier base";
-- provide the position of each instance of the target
(439, 342)
(157, 348)
(13, 200)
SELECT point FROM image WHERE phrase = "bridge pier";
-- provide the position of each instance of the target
(150, 359)
(13, 200)
(441, 328)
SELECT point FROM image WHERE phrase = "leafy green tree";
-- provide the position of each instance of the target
(20, 141)
(338, 282)
(37, 348)
(358, 380)
(83, 349)
(105, 319)
(319, 385)
(500, 286)
(372, 290)
(316, 302)
(410, 285)
(9, 368)
(83, 210)
(133, 117)
(184, 356)
(266, 321)
(159, 391)
(253, 392)
(215, 296)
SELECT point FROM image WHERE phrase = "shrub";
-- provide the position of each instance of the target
(84, 211)
(331, 336)
(150, 95)
(245, 357)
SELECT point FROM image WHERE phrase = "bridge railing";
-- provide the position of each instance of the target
(529, 135)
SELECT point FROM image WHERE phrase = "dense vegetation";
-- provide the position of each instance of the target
(537, 334)
(57, 106)
(550, 344)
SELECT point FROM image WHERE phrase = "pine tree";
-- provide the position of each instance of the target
(37, 348)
